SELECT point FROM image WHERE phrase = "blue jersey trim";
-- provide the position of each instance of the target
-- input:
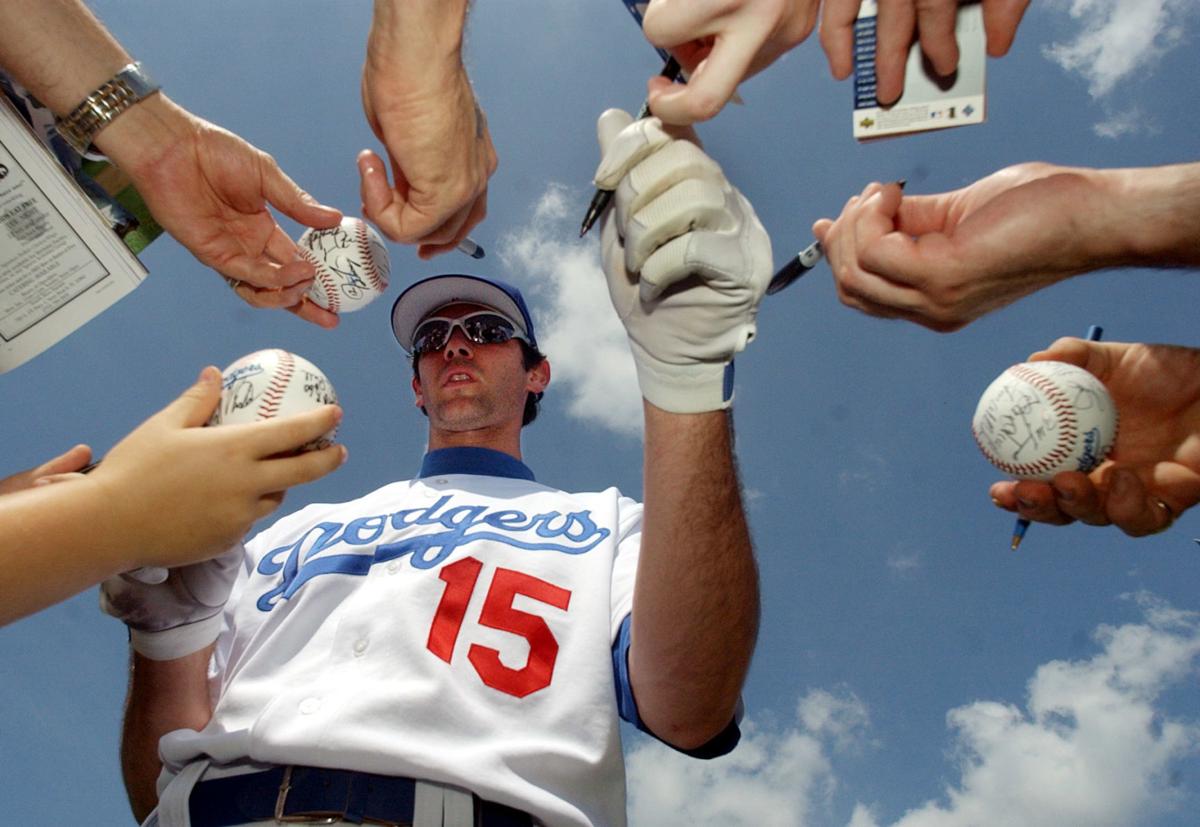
(721, 744)
(482, 462)
(626, 705)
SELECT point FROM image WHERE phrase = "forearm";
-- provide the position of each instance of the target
(163, 696)
(60, 52)
(696, 605)
(55, 544)
(57, 49)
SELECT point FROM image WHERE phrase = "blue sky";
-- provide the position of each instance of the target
(911, 670)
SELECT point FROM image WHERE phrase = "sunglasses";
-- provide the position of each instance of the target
(482, 328)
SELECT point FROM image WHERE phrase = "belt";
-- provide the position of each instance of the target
(313, 795)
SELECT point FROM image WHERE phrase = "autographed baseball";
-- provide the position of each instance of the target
(270, 383)
(1039, 419)
(351, 262)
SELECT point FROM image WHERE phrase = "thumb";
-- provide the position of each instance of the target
(195, 406)
(625, 143)
(610, 123)
(285, 195)
(65, 463)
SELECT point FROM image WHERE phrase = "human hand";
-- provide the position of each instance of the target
(719, 44)
(686, 259)
(170, 618)
(211, 191)
(933, 20)
(1152, 474)
(176, 492)
(420, 104)
(61, 467)
(944, 260)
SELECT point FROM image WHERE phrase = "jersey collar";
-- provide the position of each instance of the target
(483, 462)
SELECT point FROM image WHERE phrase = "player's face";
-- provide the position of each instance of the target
(466, 386)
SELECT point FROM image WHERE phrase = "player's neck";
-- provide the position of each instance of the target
(505, 440)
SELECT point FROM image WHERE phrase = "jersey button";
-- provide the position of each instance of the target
(360, 647)
(310, 705)
(393, 567)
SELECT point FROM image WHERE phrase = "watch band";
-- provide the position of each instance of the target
(101, 107)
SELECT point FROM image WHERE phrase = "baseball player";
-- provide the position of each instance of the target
(456, 649)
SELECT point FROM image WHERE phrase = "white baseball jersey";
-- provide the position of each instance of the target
(456, 628)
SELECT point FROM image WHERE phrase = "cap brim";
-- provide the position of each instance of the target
(426, 296)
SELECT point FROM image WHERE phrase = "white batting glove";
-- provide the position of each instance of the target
(687, 262)
(176, 616)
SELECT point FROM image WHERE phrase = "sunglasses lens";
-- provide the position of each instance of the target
(431, 336)
(488, 329)
(480, 328)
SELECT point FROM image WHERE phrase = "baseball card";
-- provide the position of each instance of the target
(928, 101)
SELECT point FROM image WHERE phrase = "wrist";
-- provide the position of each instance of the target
(104, 104)
(697, 387)
(138, 140)
(172, 644)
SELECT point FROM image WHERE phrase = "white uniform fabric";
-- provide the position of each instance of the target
(456, 628)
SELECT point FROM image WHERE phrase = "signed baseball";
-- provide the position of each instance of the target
(270, 383)
(351, 263)
(1039, 419)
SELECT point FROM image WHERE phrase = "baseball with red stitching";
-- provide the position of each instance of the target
(270, 383)
(1039, 419)
(351, 264)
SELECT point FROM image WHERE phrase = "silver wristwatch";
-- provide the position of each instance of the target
(97, 110)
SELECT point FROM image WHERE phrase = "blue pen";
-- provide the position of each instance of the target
(1093, 335)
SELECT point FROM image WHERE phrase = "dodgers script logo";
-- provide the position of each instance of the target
(301, 561)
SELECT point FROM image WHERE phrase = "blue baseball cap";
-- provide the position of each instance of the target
(421, 299)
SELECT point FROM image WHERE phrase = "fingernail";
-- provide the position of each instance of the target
(900, 182)
(345, 455)
(997, 503)
(1024, 503)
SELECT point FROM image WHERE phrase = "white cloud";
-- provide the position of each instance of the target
(1119, 37)
(770, 779)
(1131, 121)
(905, 562)
(1092, 746)
(577, 328)
(841, 719)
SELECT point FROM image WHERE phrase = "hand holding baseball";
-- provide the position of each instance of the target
(1152, 474)
(686, 258)
(213, 191)
(174, 492)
